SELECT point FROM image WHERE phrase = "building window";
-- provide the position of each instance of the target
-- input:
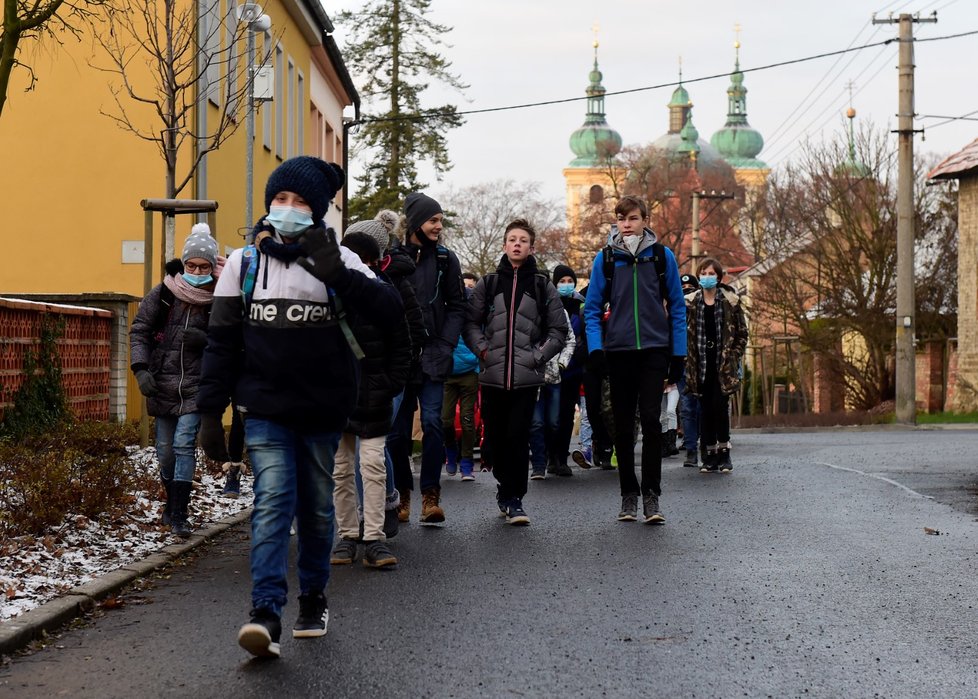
(279, 100)
(266, 109)
(329, 141)
(595, 194)
(230, 58)
(290, 112)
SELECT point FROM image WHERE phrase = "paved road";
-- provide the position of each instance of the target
(805, 573)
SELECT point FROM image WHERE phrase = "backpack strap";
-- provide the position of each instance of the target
(492, 281)
(249, 272)
(540, 282)
(441, 264)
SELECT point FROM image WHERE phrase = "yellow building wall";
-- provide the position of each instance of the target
(72, 179)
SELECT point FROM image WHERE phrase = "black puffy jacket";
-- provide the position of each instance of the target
(399, 267)
(383, 373)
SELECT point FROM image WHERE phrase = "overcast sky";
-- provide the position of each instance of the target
(519, 51)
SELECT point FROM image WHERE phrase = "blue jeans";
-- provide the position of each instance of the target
(176, 446)
(293, 477)
(689, 413)
(543, 427)
(429, 395)
(585, 431)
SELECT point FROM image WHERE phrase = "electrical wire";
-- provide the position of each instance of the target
(528, 105)
(947, 119)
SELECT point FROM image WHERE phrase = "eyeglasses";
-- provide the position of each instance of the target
(194, 269)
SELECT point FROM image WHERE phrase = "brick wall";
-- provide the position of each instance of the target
(966, 380)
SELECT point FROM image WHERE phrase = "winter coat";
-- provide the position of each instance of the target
(398, 266)
(463, 361)
(507, 333)
(639, 318)
(560, 360)
(383, 372)
(161, 350)
(442, 306)
(732, 340)
(574, 306)
(288, 361)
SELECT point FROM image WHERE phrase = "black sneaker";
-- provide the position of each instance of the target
(260, 636)
(710, 463)
(691, 460)
(723, 460)
(500, 503)
(629, 508)
(377, 555)
(563, 470)
(313, 616)
(538, 474)
(515, 514)
(650, 508)
(391, 523)
(344, 553)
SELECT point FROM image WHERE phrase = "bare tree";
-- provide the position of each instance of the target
(479, 215)
(30, 21)
(828, 270)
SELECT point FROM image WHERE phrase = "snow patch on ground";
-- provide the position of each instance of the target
(34, 570)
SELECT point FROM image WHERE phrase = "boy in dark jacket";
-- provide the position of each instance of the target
(437, 281)
(383, 373)
(514, 332)
(642, 343)
(281, 351)
(570, 378)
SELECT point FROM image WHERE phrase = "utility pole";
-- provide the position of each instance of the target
(695, 253)
(906, 380)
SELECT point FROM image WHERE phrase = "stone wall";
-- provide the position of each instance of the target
(966, 379)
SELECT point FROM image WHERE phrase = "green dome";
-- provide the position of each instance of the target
(595, 142)
(689, 137)
(679, 97)
(737, 142)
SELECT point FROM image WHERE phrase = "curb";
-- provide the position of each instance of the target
(18, 632)
(882, 427)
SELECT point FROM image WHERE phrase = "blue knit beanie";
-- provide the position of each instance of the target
(315, 180)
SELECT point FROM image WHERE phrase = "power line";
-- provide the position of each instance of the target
(527, 105)
(947, 119)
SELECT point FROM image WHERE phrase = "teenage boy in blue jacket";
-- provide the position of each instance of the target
(635, 321)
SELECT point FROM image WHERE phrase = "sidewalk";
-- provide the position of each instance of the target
(21, 630)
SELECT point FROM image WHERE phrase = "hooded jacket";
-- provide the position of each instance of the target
(732, 340)
(639, 318)
(442, 306)
(175, 367)
(288, 360)
(509, 329)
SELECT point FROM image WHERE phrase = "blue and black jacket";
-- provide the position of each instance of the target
(640, 318)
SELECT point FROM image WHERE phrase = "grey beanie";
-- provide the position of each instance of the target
(379, 228)
(200, 244)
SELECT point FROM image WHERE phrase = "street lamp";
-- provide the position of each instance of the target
(250, 13)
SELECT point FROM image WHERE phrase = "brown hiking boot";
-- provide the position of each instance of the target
(404, 509)
(431, 512)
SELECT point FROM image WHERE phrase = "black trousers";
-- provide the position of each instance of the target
(506, 418)
(600, 436)
(570, 396)
(637, 379)
(715, 413)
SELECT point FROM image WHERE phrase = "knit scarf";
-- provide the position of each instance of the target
(187, 292)
(701, 331)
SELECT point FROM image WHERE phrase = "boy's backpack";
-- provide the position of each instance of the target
(540, 282)
(658, 258)
(250, 262)
(162, 318)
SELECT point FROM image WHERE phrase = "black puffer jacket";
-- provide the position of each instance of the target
(442, 304)
(156, 343)
(507, 333)
(383, 373)
(399, 267)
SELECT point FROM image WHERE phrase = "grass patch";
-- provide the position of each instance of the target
(944, 418)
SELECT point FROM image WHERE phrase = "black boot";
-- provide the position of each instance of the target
(709, 461)
(168, 503)
(671, 442)
(180, 497)
(691, 460)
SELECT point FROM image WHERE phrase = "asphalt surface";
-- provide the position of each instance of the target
(807, 572)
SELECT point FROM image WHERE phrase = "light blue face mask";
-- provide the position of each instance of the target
(198, 279)
(708, 282)
(289, 221)
(565, 289)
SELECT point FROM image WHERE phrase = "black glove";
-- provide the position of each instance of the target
(194, 339)
(322, 258)
(677, 365)
(147, 384)
(212, 438)
(596, 363)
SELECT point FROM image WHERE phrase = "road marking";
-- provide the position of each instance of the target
(877, 477)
